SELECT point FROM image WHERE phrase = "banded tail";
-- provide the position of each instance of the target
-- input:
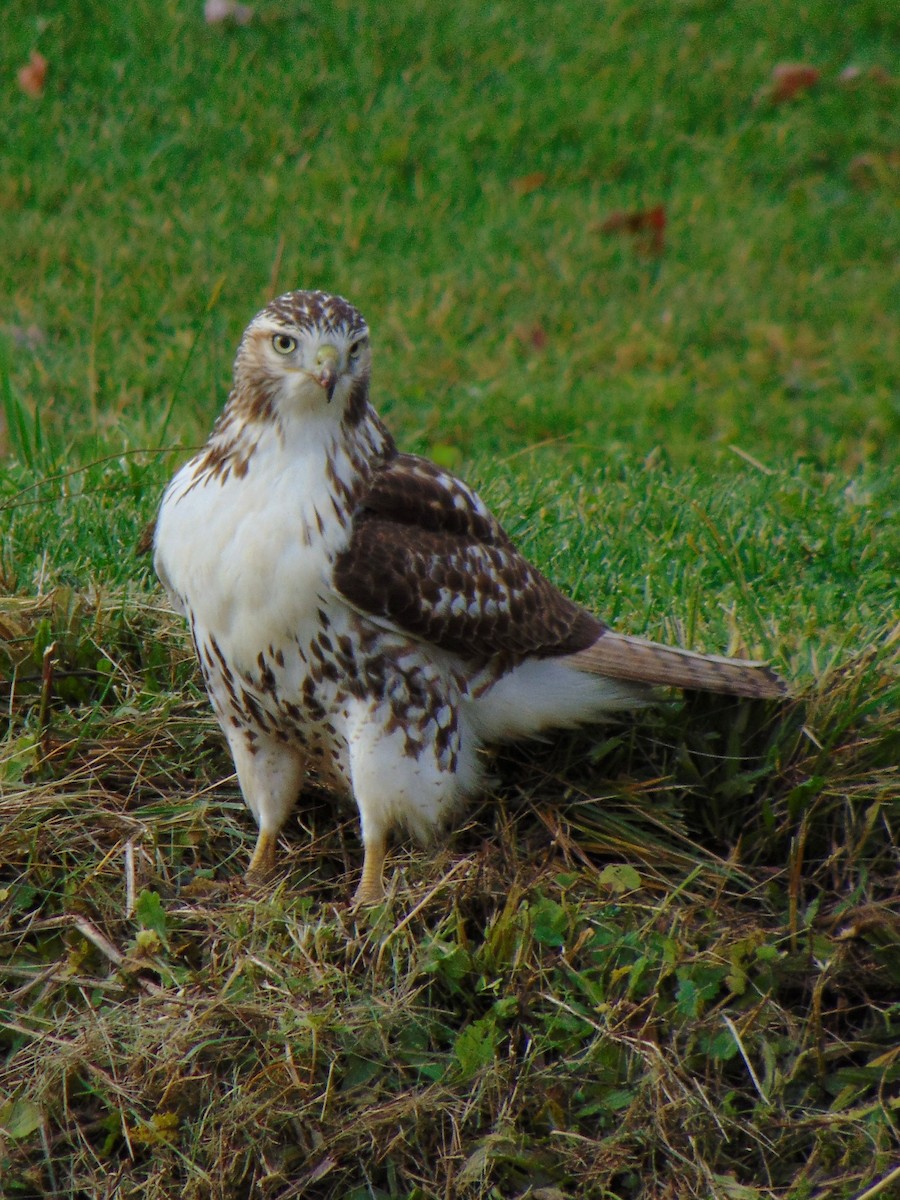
(619, 656)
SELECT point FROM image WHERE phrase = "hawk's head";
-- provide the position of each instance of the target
(305, 352)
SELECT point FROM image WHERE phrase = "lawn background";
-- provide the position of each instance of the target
(661, 960)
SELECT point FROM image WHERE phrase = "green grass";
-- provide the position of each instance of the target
(660, 958)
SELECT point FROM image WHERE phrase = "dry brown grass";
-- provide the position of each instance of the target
(645, 968)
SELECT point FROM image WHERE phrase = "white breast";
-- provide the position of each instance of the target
(248, 557)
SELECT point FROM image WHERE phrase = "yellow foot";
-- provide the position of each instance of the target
(371, 885)
(262, 864)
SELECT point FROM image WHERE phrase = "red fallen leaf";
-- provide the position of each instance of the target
(789, 79)
(33, 75)
(532, 335)
(527, 184)
(635, 221)
(648, 221)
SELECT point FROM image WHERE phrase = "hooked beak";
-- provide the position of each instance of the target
(327, 369)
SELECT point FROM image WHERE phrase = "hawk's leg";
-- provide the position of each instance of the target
(398, 773)
(370, 889)
(270, 774)
(261, 867)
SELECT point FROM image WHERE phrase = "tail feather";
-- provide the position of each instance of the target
(619, 656)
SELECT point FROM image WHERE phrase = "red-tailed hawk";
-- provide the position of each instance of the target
(359, 614)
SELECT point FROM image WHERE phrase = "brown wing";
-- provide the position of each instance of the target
(426, 555)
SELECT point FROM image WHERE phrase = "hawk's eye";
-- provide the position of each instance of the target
(356, 350)
(283, 343)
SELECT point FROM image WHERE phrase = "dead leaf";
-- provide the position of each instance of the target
(33, 75)
(790, 79)
(531, 335)
(648, 223)
(527, 184)
(217, 11)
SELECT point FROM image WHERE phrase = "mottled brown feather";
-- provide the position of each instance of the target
(427, 555)
(423, 539)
